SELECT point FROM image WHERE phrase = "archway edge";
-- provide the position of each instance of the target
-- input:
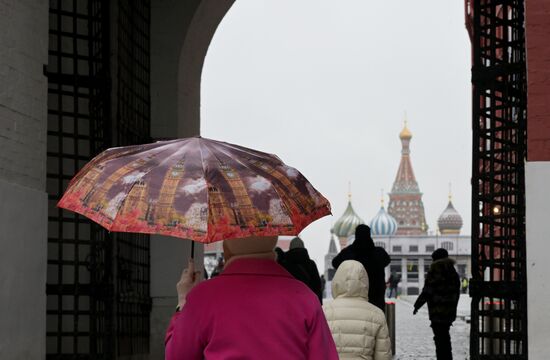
(206, 19)
(181, 32)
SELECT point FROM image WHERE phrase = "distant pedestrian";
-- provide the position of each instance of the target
(441, 291)
(323, 284)
(373, 258)
(464, 285)
(297, 262)
(393, 282)
(218, 269)
(358, 327)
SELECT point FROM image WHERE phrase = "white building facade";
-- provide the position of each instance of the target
(411, 257)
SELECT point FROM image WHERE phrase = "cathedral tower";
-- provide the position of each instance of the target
(165, 204)
(86, 184)
(406, 204)
(97, 198)
(218, 207)
(245, 211)
(332, 252)
(136, 200)
(286, 188)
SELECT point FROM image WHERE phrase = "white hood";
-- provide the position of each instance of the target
(350, 280)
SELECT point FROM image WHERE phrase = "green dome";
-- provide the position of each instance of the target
(345, 226)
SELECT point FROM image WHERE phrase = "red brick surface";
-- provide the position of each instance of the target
(538, 79)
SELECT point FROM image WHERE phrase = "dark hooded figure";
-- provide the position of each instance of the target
(297, 262)
(441, 291)
(373, 258)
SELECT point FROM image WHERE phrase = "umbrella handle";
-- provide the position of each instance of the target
(192, 249)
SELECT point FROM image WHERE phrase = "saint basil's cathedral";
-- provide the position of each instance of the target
(402, 231)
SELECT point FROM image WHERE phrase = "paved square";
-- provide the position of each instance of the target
(414, 337)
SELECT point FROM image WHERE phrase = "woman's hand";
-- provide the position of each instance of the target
(189, 278)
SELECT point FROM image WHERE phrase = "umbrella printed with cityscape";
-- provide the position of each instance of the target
(194, 188)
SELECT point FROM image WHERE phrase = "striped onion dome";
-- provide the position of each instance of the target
(345, 226)
(450, 221)
(383, 223)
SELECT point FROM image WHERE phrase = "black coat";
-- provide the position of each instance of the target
(374, 259)
(297, 262)
(441, 291)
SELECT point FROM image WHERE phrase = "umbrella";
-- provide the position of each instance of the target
(194, 188)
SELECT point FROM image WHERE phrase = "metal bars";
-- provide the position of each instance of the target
(98, 302)
(77, 277)
(133, 303)
(498, 286)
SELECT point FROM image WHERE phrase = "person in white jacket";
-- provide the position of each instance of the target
(358, 327)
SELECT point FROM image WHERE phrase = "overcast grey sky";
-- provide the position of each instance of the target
(325, 84)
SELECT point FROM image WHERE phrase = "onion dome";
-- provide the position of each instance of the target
(345, 226)
(383, 223)
(405, 133)
(450, 221)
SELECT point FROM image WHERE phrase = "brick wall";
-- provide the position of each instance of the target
(23, 91)
(538, 79)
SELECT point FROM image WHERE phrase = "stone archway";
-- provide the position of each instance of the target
(181, 32)
(499, 104)
(180, 37)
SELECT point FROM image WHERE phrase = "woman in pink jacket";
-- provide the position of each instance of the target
(253, 310)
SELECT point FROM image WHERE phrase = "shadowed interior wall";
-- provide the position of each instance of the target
(23, 200)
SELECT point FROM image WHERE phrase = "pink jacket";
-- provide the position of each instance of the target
(253, 310)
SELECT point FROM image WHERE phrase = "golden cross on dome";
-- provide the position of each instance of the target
(405, 133)
(382, 197)
(450, 191)
(349, 190)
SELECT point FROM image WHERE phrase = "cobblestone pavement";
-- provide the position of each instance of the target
(414, 337)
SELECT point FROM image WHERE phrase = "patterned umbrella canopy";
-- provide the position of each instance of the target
(194, 188)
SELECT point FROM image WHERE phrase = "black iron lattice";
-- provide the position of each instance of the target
(133, 303)
(98, 302)
(79, 272)
(498, 286)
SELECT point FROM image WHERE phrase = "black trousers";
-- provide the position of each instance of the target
(442, 340)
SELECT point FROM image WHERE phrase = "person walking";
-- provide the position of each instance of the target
(219, 268)
(373, 258)
(358, 327)
(441, 291)
(245, 312)
(464, 285)
(298, 263)
(393, 282)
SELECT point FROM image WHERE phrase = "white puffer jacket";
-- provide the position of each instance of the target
(359, 328)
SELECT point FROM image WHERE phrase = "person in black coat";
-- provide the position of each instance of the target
(373, 258)
(441, 291)
(393, 283)
(297, 262)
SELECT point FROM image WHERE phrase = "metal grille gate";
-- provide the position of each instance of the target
(498, 287)
(132, 127)
(98, 301)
